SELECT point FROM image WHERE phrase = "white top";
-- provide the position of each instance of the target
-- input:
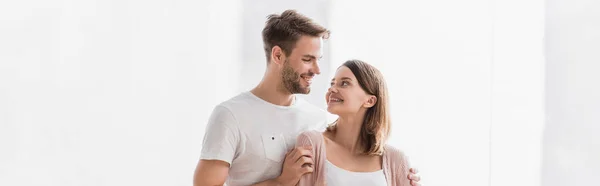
(336, 176)
(253, 135)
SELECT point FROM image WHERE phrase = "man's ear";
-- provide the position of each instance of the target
(370, 102)
(277, 55)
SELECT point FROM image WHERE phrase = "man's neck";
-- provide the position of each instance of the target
(272, 92)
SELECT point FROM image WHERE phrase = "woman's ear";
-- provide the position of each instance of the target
(370, 102)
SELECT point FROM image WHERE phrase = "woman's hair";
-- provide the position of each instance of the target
(376, 125)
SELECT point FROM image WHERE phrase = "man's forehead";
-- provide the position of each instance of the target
(309, 47)
(309, 42)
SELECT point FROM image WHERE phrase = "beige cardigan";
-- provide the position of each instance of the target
(395, 166)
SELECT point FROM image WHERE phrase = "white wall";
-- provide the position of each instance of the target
(517, 68)
(110, 92)
(571, 137)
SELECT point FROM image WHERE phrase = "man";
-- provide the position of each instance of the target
(247, 136)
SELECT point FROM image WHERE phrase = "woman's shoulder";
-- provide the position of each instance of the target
(395, 156)
(396, 165)
(392, 151)
(311, 133)
(311, 137)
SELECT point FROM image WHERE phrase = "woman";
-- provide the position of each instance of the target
(352, 151)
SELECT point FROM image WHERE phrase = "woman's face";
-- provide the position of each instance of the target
(345, 96)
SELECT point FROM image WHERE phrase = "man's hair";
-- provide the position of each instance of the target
(284, 31)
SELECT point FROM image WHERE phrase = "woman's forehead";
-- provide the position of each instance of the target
(342, 72)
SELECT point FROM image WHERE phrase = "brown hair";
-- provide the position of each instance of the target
(376, 125)
(284, 31)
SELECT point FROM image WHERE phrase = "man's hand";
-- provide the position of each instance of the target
(413, 177)
(297, 163)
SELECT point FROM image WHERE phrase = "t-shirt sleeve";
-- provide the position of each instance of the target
(221, 137)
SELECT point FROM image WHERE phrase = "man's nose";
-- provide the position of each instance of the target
(316, 68)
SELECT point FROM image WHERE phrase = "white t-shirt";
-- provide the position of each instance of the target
(253, 135)
(336, 176)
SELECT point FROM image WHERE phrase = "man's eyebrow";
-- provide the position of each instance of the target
(311, 56)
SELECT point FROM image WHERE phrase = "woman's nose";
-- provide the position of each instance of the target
(332, 89)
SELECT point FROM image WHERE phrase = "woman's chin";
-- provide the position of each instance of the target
(333, 109)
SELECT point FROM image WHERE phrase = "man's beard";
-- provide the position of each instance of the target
(291, 79)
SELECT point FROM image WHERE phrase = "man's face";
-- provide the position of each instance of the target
(302, 65)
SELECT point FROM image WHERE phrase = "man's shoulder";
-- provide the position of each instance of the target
(239, 100)
(311, 108)
(232, 107)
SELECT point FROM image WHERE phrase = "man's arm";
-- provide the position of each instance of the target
(211, 173)
(219, 147)
(271, 182)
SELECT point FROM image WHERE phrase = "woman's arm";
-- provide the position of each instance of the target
(402, 169)
(308, 179)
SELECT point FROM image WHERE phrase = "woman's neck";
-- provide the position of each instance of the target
(347, 132)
